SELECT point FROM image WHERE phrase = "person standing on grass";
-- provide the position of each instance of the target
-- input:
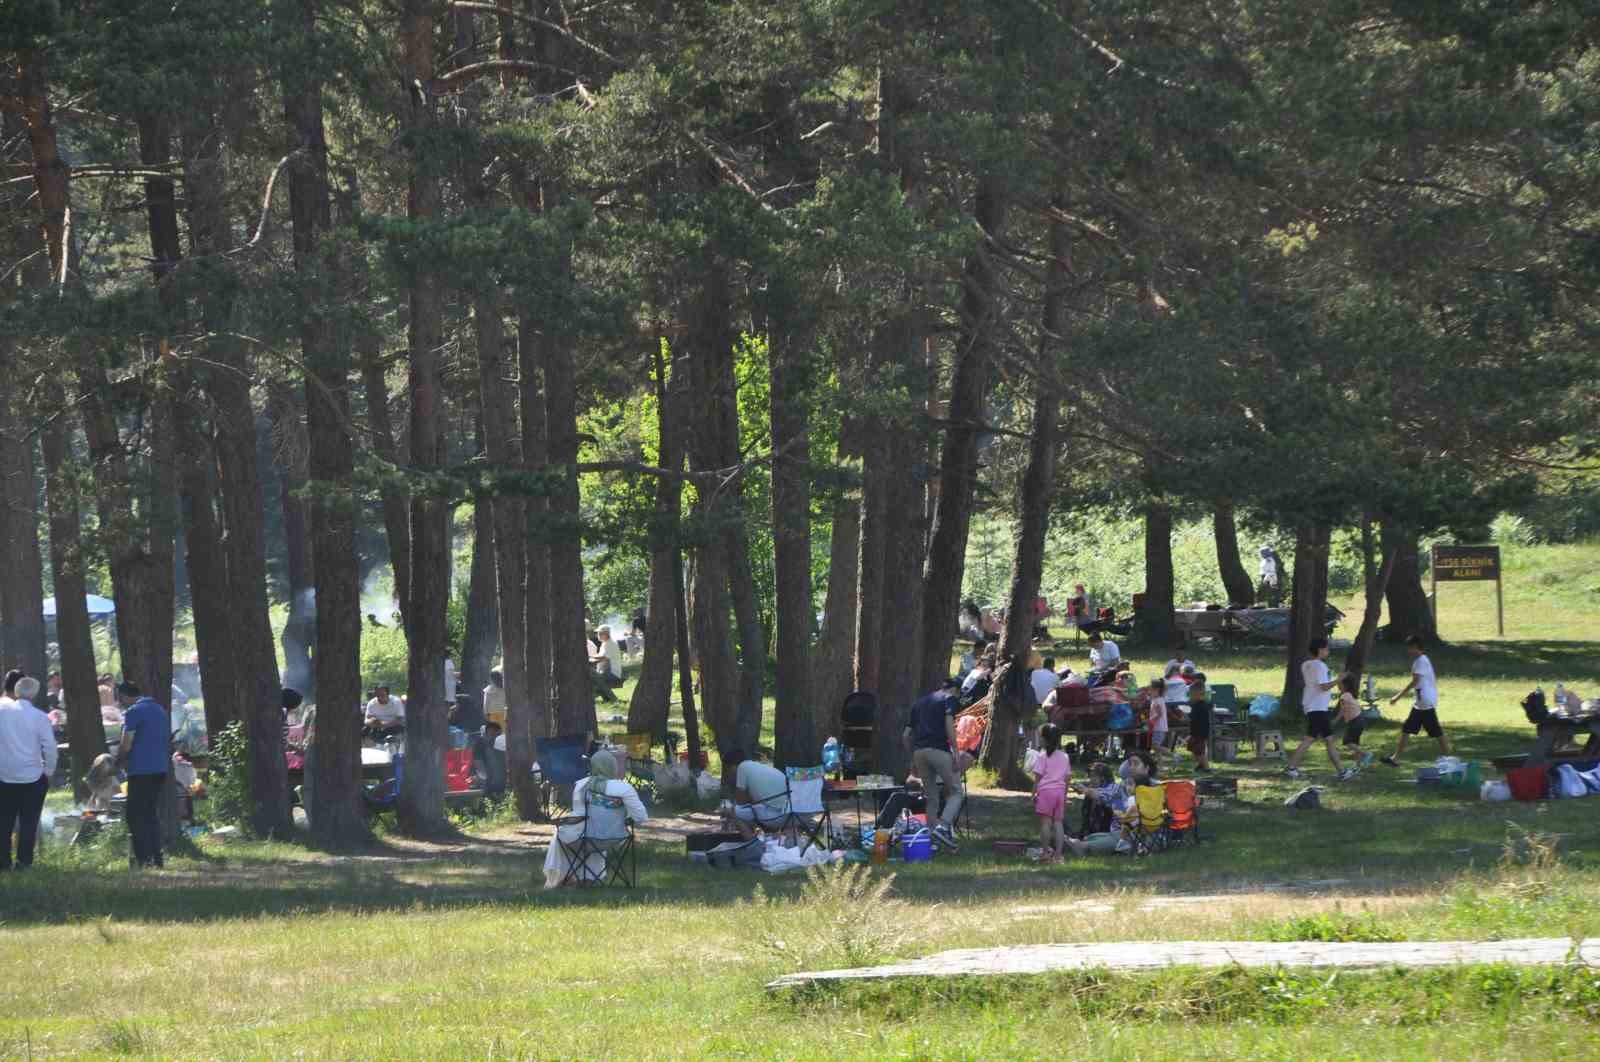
(1354, 723)
(930, 737)
(146, 754)
(1425, 709)
(1155, 714)
(1199, 723)
(27, 760)
(1052, 771)
(1315, 701)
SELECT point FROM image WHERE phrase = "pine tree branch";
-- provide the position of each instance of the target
(524, 17)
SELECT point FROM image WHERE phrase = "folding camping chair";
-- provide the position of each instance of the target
(604, 852)
(1183, 815)
(1148, 819)
(808, 813)
(563, 762)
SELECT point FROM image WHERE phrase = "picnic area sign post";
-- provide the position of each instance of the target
(1469, 564)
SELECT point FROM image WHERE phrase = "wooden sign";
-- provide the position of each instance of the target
(1469, 564)
(1466, 564)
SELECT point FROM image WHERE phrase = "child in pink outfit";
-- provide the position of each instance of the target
(1052, 769)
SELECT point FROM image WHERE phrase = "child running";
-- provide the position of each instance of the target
(1354, 724)
(1053, 770)
(1156, 716)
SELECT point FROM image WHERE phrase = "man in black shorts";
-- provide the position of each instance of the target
(1316, 684)
(1425, 709)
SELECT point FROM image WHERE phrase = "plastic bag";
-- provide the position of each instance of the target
(1263, 706)
(1494, 791)
(707, 786)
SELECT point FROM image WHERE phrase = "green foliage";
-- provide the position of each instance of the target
(844, 916)
(384, 658)
(228, 785)
(1335, 928)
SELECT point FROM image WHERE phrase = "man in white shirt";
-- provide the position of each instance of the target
(758, 790)
(1425, 709)
(607, 661)
(1316, 700)
(1044, 679)
(27, 760)
(1103, 653)
(385, 714)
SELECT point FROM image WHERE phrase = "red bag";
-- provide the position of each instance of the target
(1528, 783)
(458, 770)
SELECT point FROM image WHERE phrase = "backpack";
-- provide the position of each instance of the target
(1121, 717)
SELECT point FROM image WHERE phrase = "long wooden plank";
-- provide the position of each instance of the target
(1154, 955)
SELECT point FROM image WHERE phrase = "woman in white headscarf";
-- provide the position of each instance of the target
(602, 781)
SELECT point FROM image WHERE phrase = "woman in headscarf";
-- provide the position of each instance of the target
(602, 782)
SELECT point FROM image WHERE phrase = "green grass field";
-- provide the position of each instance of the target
(450, 950)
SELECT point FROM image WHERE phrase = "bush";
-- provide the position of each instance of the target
(384, 657)
(228, 787)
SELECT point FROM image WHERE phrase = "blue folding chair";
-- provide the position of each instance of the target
(563, 761)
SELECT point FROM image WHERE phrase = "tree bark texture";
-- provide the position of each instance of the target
(650, 709)
(795, 737)
(293, 451)
(483, 614)
(1410, 612)
(1306, 608)
(336, 809)
(207, 564)
(958, 460)
(22, 574)
(536, 589)
(1157, 625)
(85, 735)
(396, 503)
(710, 345)
(1377, 583)
(833, 674)
(421, 802)
(569, 654)
(502, 442)
(1033, 512)
(1236, 581)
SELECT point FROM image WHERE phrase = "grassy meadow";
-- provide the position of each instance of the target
(449, 949)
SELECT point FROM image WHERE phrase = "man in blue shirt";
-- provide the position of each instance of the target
(930, 736)
(146, 753)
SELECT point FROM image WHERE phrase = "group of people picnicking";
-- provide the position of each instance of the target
(28, 755)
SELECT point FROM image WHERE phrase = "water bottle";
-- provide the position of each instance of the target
(1561, 697)
(830, 754)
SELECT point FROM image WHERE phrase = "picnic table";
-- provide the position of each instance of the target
(834, 791)
(1557, 730)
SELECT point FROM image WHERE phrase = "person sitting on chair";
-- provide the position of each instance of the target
(758, 790)
(1104, 655)
(385, 714)
(602, 781)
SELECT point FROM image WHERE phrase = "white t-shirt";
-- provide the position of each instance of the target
(393, 712)
(613, 655)
(1314, 673)
(1107, 656)
(1158, 715)
(761, 780)
(1427, 684)
(449, 680)
(1044, 683)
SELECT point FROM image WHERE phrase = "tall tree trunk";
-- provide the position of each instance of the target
(871, 555)
(396, 505)
(1157, 625)
(1033, 512)
(502, 441)
(832, 660)
(691, 718)
(899, 666)
(574, 685)
(1307, 608)
(710, 345)
(209, 600)
(68, 560)
(483, 614)
(958, 460)
(789, 365)
(421, 802)
(1409, 610)
(85, 735)
(536, 589)
(1236, 582)
(293, 451)
(650, 709)
(1377, 582)
(22, 575)
(336, 809)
